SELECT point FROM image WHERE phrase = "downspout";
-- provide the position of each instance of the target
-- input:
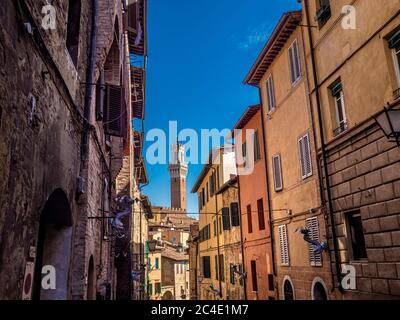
(218, 248)
(89, 83)
(323, 147)
(241, 237)
(271, 226)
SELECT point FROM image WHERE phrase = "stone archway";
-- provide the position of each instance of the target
(54, 246)
(91, 281)
(168, 296)
(319, 290)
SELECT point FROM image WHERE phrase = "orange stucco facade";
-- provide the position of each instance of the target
(256, 233)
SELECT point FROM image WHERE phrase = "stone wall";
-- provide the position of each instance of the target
(364, 170)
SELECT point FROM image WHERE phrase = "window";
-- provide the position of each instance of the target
(249, 219)
(221, 267)
(323, 12)
(114, 102)
(277, 170)
(288, 292)
(216, 267)
(212, 184)
(244, 154)
(294, 60)
(283, 241)
(305, 156)
(394, 45)
(220, 225)
(313, 227)
(151, 289)
(226, 219)
(208, 196)
(235, 219)
(215, 228)
(158, 288)
(206, 267)
(271, 286)
(254, 275)
(73, 27)
(271, 94)
(356, 235)
(231, 273)
(203, 197)
(260, 210)
(157, 263)
(340, 111)
(257, 152)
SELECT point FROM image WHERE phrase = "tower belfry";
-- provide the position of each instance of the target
(178, 170)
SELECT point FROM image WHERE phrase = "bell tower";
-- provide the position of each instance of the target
(178, 171)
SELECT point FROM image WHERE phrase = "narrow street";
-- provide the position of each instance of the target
(170, 150)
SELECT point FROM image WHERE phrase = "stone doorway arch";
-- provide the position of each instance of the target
(54, 246)
(168, 296)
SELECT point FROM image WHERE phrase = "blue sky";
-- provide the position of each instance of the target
(199, 54)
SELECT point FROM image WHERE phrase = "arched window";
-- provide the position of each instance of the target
(73, 27)
(318, 290)
(288, 290)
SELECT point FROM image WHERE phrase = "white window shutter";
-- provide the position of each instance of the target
(283, 240)
(305, 157)
(277, 170)
(313, 226)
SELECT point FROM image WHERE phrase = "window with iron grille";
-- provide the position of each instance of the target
(340, 110)
(284, 246)
(313, 227)
(305, 156)
(277, 171)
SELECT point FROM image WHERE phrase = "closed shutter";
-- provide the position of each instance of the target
(100, 97)
(313, 226)
(277, 170)
(113, 112)
(244, 154)
(257, 153)
(235, 219)
(231, 274)
(283, 241)
(206, 267)
(226, 219)
(294, 61)
(305, 157)
(222, 267)
(216, 267)
(271, 94)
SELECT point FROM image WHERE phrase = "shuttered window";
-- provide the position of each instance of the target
(226, 219)
(216, 267)
(260, 210)
(254, 275)
(271, 94)
(244, 154)
(277, 170)
(294, 61)
(206, 267)
(222, 267)
(113, 113)
(100, 97)
(313, 227)
(305, 156)
(231, 274)
(257, 151)
(283, 241)
(235, 219)
(249, 219)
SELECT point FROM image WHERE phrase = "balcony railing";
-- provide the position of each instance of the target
(342, 128)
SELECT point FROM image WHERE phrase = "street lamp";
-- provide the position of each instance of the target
(389, 122)
(152, 244)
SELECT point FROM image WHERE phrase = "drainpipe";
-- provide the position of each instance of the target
(217, 224)
(323, 146)
(241, 237)
(89, 82)
(271, 226)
